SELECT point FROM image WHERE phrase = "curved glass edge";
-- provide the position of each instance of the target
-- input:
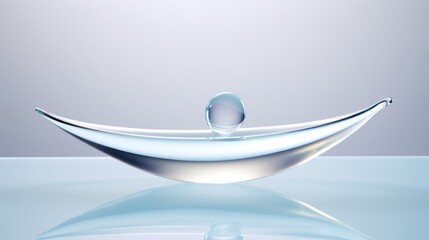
(204, 133)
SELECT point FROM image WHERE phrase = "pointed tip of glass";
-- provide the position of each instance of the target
(43, 113)
(40, 111)
(389, 100)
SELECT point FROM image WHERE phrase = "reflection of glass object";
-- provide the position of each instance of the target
(224, 231)
(225, 113)
(193, 211)
(197, 156)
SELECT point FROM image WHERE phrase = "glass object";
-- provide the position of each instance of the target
(198, 211)
(198, 156)
(225, 113)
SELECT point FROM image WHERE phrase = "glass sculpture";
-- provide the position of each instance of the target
(226, 153)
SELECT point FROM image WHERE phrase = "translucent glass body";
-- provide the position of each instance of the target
(198, 156)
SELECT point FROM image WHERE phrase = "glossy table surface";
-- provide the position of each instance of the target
(381, 197)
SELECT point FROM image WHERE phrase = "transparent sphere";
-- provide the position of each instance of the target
(225, 113)
(224, 231)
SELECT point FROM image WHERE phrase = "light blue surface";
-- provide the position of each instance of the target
(192, 211)
(382, 197)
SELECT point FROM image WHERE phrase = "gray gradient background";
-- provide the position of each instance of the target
(154, 64)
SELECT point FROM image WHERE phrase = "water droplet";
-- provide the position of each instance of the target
(225, 113)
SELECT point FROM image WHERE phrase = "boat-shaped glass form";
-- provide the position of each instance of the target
(199, 156)
(198, 211)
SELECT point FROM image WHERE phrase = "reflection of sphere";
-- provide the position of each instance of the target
(225, 113)
(224, 231)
